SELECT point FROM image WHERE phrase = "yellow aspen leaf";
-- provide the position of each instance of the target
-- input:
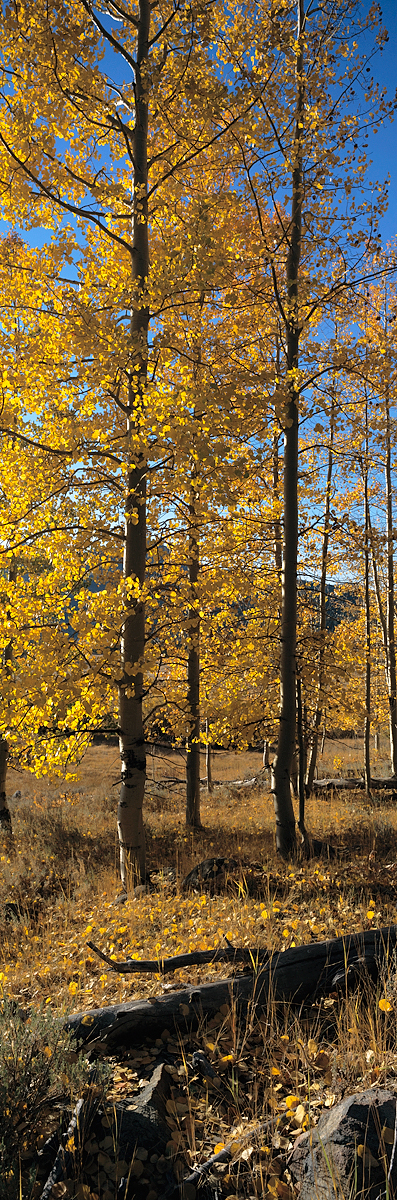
(322, 1060)
(367, 1157)
(387, 1136)
(299, 1114)
(284, 1191)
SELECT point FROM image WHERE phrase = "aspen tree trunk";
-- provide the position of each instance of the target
(301, 759)
(5, 815)
(277, 527)
(285, 819)
(386, 620)
(208, 759)
(131, 734)
(367, 719)
(392, 673)
(384, 627)
(193, 671)
(321, 658)
(282, 766)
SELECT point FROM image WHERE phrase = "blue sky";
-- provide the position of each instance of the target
(383, 145)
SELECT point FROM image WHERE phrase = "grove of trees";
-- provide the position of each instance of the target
(198, 411)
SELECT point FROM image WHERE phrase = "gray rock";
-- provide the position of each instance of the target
(210, 874)
(348, 1154)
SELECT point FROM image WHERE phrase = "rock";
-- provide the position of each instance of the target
(143, 888)
(211, 874)
(143, 1118)
(350, 1152)
(121, 1141)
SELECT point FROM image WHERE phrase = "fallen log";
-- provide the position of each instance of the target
(296, 975)
(354, 785)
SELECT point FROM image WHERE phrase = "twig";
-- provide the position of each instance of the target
(160, 966)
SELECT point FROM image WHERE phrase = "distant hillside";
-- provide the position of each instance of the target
(342, 600)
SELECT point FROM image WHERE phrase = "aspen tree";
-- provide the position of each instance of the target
(367, 698)
(316, 724)
(68, 150)
(193, 666)
(368, 386)
(68, 146)
(32, 484)
(379, 316)
(131, 734)
(300, 147)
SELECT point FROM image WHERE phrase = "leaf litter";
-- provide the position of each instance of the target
(268, 1081)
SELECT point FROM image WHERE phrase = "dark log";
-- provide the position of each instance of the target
(296, 975)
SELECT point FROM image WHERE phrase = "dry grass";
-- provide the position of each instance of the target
(61, 873)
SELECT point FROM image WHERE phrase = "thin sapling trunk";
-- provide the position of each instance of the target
(315, 732)
(5, 815)
(193, 671)
(208, 758)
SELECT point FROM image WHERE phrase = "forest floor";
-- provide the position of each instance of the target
(59, 887)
